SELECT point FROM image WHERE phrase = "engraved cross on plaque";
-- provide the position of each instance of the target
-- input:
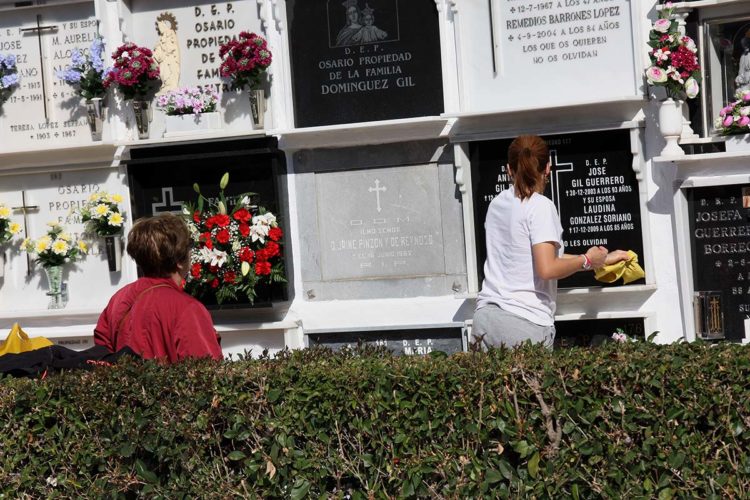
(377, 189)
(38, 30)
(167, 203)
(25, 209)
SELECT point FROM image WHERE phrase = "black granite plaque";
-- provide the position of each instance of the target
(400, 342)
(720, 241)
(161, 179)
(594, 332)
(592, 184)
(364, 60)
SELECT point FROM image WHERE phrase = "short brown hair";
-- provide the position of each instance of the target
(528, 156)
(159, 244)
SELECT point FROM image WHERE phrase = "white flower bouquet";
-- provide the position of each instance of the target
(56, 247)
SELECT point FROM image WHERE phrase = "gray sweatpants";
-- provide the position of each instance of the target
(493, 327)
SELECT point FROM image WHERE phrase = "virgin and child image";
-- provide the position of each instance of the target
(360, 26)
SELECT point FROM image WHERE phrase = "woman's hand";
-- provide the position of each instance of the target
(616, 256)
(597, 256)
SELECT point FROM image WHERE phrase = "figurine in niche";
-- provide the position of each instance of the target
(369, 32)
(167, 52)
(743, 70)
(348, 32)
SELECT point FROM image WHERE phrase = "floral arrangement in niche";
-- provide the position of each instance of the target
(234, 249)
(102, 215)
(185, 101)
(135, 73)
(245, 60)
(735, 117)
(8, 229)
(8, 76)
(86, 72)
(56, 247)
(674, 60)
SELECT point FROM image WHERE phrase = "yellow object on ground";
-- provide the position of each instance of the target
(18, 342)
(628, 270)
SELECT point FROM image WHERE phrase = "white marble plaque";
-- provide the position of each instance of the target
(380, 223)
(44, 112)
(539, 53)
(186, 40)
(55, 197)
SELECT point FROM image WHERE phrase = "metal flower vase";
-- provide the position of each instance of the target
(143, 113)
(2, 263)
(95, 115)
(54, 279)
(113, 249)
(258, 107)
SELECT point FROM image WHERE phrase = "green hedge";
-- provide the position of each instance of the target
(625, 421)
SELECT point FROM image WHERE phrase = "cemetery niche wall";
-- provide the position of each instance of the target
(44, 112)
(161, 180)
(592, 184)
(593, 332)
(719, 218)
(357, 61)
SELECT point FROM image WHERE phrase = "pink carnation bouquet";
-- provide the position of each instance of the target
(245, 60)
(186, 101)
(674, 59)
(735, 117)
(135, 73)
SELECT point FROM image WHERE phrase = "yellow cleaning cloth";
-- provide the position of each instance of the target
(628, 270)
(18, 342)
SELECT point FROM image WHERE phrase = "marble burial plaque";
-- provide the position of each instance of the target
(380, 222)
(592, 332)
(358, 61)
(720, 240)
(401, 342)
(547, 52)
(55, 197)
(592, 185)
(185, 38)
(44, 112)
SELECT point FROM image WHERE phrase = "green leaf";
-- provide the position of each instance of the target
(522, 448)
(300, 489)
(666, 494)
(236, 455)
(493, 476)
(505, 470)
(142, 471)
(533, 465)
(127, 450)
(676, 460)
(574, 492)
(274, 395)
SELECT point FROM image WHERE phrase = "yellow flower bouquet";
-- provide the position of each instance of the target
(8, 229)
(102, 214)
(56, 247)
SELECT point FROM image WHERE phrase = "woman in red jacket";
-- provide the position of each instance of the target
(154, 316)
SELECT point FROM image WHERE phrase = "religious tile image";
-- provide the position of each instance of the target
(167, 52)
(353, 22)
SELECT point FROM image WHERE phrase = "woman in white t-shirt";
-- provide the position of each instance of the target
(525, 255)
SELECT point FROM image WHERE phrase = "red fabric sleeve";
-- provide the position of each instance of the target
(195, 335)
(102, 332)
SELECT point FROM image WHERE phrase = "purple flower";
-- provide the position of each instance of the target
(744, 121)
(728, 121)
(9, 80)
